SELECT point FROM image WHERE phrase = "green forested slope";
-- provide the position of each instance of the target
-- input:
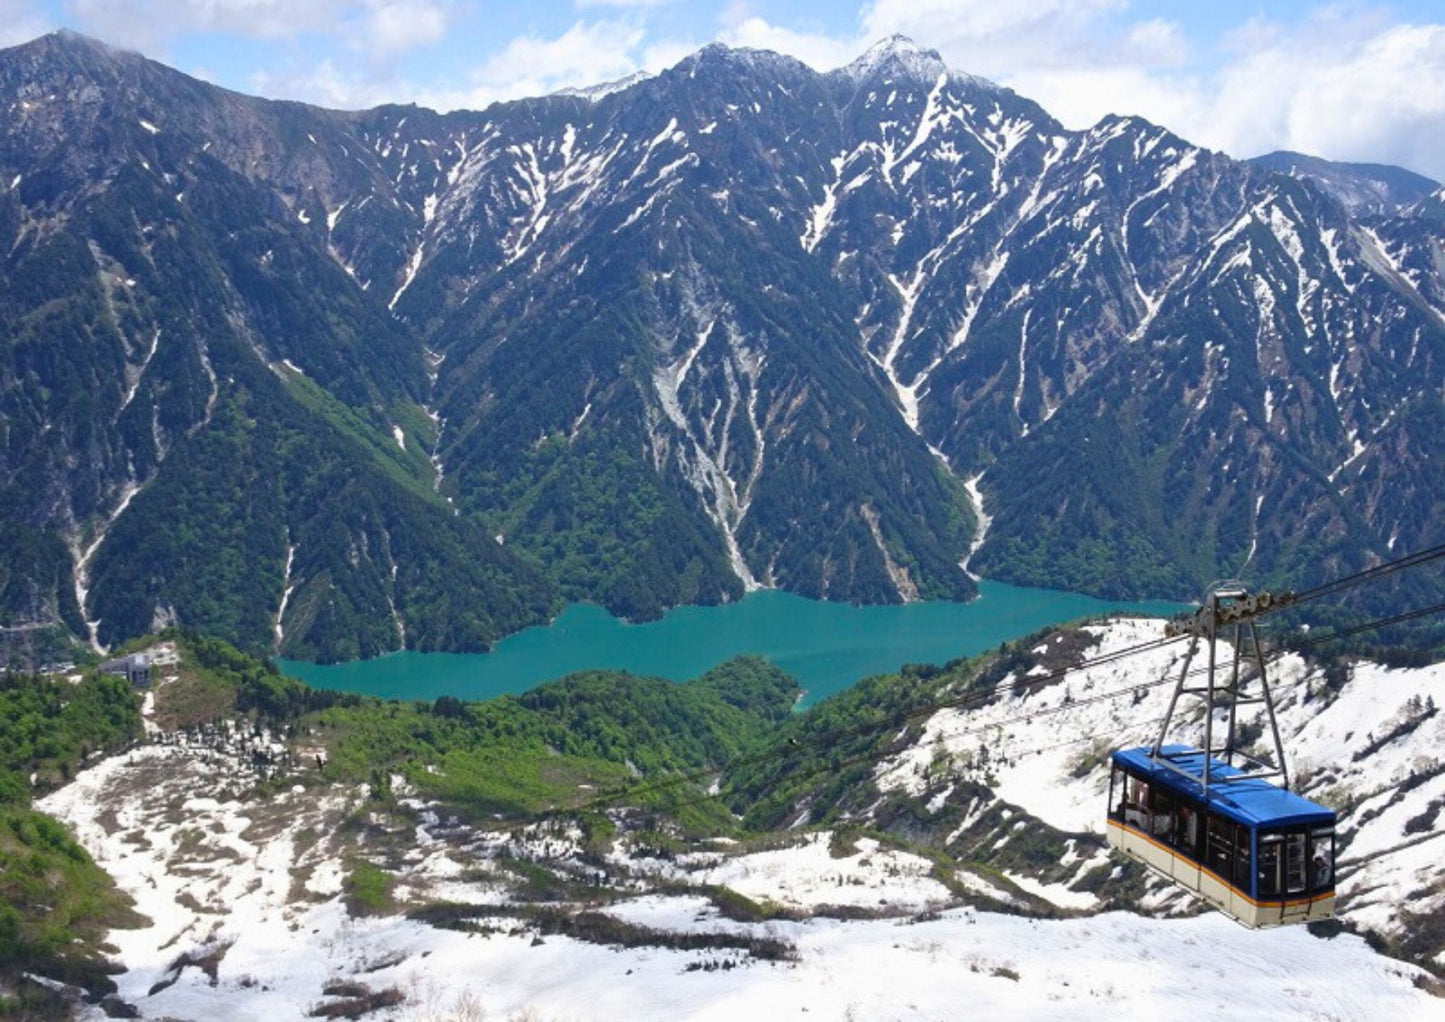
(55, 904)
(175, 340)
(552, 747)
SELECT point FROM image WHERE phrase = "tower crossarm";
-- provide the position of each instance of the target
(1211, 618)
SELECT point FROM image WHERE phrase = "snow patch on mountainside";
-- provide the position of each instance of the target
(809, 876)
(134, 376)
(412, 266)
(820, 218)
(975, 497)
(723, 481)
(289, 587)
(605, 89)
(254, 885)
(84, 556)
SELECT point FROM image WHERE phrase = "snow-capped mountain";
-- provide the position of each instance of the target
(737, 324)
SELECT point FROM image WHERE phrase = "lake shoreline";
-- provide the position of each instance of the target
(827, 646)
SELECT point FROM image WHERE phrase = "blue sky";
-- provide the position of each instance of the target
(1350, 81)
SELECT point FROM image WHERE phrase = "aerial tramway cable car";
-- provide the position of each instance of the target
(1211, 818)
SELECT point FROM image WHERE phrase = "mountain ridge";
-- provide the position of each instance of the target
(1373, 189)
(766, 321)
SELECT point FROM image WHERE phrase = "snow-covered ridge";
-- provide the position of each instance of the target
(246, 888)
(603, 89)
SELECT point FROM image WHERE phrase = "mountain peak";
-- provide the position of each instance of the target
(896, 54)
(898, 43)
(720, 54)
(64, 40)
(67, 52)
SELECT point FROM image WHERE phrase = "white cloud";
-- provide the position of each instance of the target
(322, 84)
(20, 21)
(983, 37)
(818, 51)
(1155, 42)
(1353, 89)
(664, 53)
(381, 29)
(152, 23)
(588, 53)
(1079, 97)
(1376, 97)
(976, 19)
(394, 27)
(994, 39)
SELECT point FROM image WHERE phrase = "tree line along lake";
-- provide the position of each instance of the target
(826, 646)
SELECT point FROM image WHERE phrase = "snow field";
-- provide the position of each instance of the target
(257, 885)
(808, 877)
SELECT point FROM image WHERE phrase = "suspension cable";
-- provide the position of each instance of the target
(1371, 574)
(1371, 625)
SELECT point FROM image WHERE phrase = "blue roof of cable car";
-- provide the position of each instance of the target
(1255, 803)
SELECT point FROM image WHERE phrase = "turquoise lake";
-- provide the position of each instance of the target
(826, 646)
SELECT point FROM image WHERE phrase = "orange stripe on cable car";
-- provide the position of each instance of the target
(1205, 869)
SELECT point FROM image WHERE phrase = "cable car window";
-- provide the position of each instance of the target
(1219, 846)
(1322, 860)
(1241, 858)
(1163, 815)
(1137, 810)
(1294, 863)
(1118, 789)
(1268, 871)
(1187, 836)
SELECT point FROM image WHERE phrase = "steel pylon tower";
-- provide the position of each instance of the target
(1228, 614)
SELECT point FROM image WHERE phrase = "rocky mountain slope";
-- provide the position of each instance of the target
(1365, 189)
(197, 404)
(334, 383)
